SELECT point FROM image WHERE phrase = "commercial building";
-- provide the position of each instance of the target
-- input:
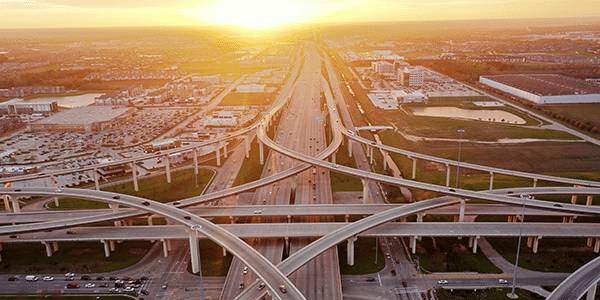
(277, 61)
(382, 67)
(19, 106)
(84, 118)
(545, 88)
(215, 79)
(411, 77)
(413, 97)
(121, 97)
(221, 119)
(250, 88)
(24, 91)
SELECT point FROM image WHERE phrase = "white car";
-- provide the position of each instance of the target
(503, 281)
(70, 275)
(90, 285)
(48, 278)
(245, 270)
(257, 212)
(442, 281)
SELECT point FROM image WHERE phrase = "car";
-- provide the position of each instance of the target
(31, 278)
(370, 278)
(245, 271)
(48, 278)
(100, 278)
(242, 285)
(165, 285)
(13, 236)
(113, 278)
(387, 254)
(503, 281)
(393, 271)
(114, 290)
(13, 278)
(442, 281)
(58, 190)
(73, 285)
(146, 203)
(69, 278)
(70, 232)
(558, 205)
(103, 285)
(257, 212)
(261, 286)
(116, 197)
(187, 217)
(335, 166)
(144, 278)
(176, 202)
(282, 289)
(129, 289)
(144, 292)
(70, 275)
(90, 285)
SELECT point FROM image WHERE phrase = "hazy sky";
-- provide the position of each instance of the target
(264, 14)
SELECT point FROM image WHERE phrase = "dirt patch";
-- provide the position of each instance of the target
(137, 251)
(82, 251)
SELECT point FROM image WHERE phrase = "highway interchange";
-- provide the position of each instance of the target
(296, 107)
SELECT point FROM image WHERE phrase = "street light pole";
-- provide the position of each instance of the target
(512, 294)
(460, 131)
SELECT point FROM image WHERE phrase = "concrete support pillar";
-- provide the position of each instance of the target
(591, 292)
(413, 244)
(403, 219)
(461, 216)
(54, 185)
(168, 168)
(365, 190)
(471, 241)
(165, 248)
(491, 181)
(150, 220)
(261, 150)
(420, 217)
(536, 242)
(224, 251)
(447, 175)
(135, 180)
(414, 168)
(596, 245)
(346, 218)
(169, 245)
(529, 241)
(372, 160)
(195, 152)
(6, 203)
(225, 149)
(475, 244)
(574, 199)
(350, 145)
(247, 146)
(232, 219)
(333, 160)
(111, 244)
(194, 253)
(287, 243)
(535, 182)
(54, 246)
(385, 155)
(48, 248)
(106, 248)
(350, 253)
(15, 204)
(96, 183)
(589, 200)
(590, 241)
(289, 219)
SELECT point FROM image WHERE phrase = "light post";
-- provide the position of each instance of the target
(512, 294)
(197, 228)
(460, 131)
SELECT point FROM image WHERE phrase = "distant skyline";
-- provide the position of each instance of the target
(266, 14)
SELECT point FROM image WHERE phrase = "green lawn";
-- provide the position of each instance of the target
(157, 188)
(364, 257)
(488, 294)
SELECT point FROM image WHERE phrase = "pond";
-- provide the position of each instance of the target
(69, 101)
(481, 115)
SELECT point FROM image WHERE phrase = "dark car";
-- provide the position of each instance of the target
(100, 278)
(86, 277)
(113, 277)
(13, 278)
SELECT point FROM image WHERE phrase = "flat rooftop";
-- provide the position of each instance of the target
(85, 115)
(547, 84)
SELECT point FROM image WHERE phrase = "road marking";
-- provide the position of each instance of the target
(379, 277)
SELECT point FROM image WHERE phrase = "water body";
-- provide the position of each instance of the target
(69, 101)
(481, 115)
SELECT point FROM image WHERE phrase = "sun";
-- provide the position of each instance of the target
(256, 14)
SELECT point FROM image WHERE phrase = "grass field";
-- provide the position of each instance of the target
(364, 259)
(156, 188)
(84, 257)
(487, 294)
(213, 262)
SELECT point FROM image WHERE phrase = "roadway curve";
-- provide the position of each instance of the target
(252, 258)
(578, 283)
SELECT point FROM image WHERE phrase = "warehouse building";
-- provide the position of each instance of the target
(545, 88)
(85, 118)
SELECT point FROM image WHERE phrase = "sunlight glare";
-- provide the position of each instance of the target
(257, 15)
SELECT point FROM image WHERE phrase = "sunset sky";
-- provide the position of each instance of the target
(265, 14)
